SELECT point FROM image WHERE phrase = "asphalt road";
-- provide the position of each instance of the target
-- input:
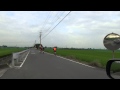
(48, 66)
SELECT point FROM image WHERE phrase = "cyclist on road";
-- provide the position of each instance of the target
(41, 48)
(54, 49)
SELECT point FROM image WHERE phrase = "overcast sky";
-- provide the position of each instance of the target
(80, 29)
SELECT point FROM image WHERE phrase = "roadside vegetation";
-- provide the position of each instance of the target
(93, 57)
(9, 50)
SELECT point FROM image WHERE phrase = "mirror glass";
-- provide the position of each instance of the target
(115, 70)
(112, 41)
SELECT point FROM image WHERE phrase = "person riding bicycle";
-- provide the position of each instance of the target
(54, 49)
(41, 48)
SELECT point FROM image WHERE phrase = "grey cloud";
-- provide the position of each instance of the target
(77, 29)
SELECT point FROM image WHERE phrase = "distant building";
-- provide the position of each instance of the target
(37, 46)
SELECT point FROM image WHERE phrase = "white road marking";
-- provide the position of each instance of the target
(72, 60)
(3, 71)
(16, 67)
(75, 61)
(25, 59)
(32, 53)
(49, 53)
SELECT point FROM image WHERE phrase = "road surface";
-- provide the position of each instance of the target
(49, 66)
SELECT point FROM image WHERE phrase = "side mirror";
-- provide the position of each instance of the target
(113, 69)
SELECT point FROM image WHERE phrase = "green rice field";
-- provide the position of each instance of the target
(7, 51)
(115, 67)
(92, 57)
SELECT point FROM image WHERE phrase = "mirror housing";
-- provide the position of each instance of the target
(112, 68)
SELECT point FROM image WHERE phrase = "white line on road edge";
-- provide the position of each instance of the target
(17, 67)
(49, 53)
(72, 61)
(2, 72)
(75, 62)
(25, 59)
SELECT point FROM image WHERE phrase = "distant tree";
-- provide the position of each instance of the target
(4, 46)
(37, 46)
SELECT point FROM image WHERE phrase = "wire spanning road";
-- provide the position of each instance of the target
(48, 66)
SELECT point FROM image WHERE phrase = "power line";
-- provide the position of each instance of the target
(49, 16)
(46, 19)
(44, 23)
(56, 15)
(57, 24)
(55, 21)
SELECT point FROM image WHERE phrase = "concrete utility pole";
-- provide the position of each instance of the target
(35, 44)
(40, 37)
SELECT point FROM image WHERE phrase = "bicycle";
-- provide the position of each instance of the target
(55, 53)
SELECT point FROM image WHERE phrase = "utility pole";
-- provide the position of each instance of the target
(35, 44)
(40, 37)
(35, 41)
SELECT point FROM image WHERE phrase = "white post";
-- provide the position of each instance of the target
(15, 56)
(13, 63)
(17, 60)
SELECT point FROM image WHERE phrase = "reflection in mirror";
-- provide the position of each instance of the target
(115, 70)
(112, 41)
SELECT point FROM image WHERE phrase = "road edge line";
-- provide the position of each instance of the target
(72, 61)
(24, 59)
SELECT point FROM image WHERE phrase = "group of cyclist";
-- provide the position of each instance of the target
(42, 49)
